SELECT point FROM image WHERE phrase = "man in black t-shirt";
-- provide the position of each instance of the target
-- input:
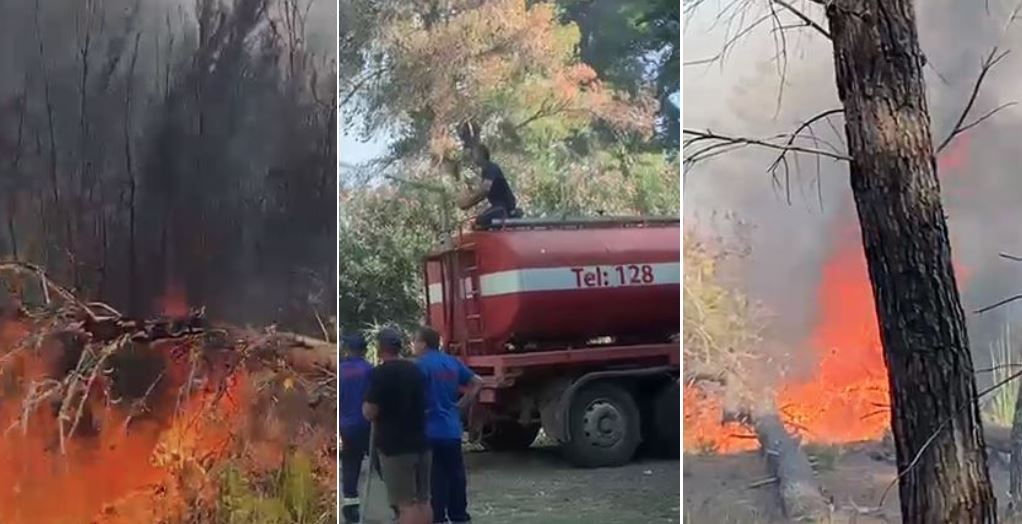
(493, 187)
(396, 404)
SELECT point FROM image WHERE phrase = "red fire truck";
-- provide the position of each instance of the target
(572, 324)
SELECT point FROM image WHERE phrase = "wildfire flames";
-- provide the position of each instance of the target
(147, 436)
(845, 399)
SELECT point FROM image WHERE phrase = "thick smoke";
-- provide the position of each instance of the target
(789, 242)
(155, 145)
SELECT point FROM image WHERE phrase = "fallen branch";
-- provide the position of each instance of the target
(764, 482)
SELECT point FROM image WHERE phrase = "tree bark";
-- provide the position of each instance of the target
(800, 494)
(879, 74)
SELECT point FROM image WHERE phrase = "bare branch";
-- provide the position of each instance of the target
(729, 140)
(806, 125)
(996, 305)
(729, 43)
(1016, 258)
(995, 56)
(809, 22)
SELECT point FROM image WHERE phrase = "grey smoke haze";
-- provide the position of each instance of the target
(789, 243)
(204, 161)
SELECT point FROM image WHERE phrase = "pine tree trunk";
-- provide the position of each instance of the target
(922, 325)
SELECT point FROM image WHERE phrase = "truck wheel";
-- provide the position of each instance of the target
(508, 435)
(605, 426)
(667, 421)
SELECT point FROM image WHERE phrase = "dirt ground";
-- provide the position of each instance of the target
(717, 487)
(539, 486)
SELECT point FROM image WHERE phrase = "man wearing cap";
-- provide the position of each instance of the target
(446, 377)
(396, 405)
(354, 381)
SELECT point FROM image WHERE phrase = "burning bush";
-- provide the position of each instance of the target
(721, 334)
(843, 394)
(720, 324)
(163, 420)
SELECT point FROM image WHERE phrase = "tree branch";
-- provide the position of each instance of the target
(809, 22)
(802, 127)
(996, 305)
(995, 56)
(723, 140)
(361, 83)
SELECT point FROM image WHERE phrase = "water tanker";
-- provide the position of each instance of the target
(572, 325)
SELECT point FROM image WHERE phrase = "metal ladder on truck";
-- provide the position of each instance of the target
(474, 342)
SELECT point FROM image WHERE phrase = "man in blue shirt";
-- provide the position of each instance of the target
(354, 372)
(445, 375)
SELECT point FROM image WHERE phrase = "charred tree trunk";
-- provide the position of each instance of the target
(935, 417)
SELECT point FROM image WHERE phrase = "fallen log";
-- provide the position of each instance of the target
(800, 494)
(307, 354)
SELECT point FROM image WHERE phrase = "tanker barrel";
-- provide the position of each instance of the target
(582, 221)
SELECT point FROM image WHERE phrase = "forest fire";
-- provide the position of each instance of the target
(174, 302)
(845, 399)
(126, 448)
(140, 427)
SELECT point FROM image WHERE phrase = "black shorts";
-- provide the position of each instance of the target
(492, 213)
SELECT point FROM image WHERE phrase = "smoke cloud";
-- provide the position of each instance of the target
(789, 242)
(151, 145)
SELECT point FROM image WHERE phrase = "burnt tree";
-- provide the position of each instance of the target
(935, 416)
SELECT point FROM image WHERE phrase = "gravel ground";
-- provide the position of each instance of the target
(537, 486)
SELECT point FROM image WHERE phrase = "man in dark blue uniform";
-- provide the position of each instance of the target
(493, 187)
(354, 372)
(445, 376)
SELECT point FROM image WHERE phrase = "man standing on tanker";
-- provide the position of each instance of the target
(354, 372)
(493, 187)
(445, 376)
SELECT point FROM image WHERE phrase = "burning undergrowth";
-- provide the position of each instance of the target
(106, 419)
(838, 393)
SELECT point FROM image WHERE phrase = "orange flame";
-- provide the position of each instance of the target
(174, 302)
(846, 398)
(124, 466)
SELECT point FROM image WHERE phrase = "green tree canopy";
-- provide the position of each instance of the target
(570, 142)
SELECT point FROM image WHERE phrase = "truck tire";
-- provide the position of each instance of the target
(508, 435)
(667, 420)
(605, 426)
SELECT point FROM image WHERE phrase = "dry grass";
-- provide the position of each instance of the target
(999, 410)
(721, 326)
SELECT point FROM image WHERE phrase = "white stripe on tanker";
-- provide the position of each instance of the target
(569, 278)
